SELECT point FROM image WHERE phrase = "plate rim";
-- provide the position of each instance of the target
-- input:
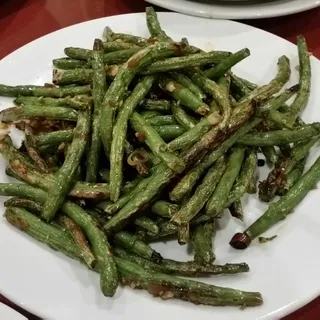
(170, 5)
(7, 310)
(292, 307)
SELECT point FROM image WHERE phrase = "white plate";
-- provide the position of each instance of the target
(7, 313)
(286, 270)
(251, 9)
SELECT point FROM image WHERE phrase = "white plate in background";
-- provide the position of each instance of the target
(285, 271)
(251, 9)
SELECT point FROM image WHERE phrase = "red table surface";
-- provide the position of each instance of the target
(22, 21)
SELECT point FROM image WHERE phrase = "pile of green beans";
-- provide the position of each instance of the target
(140, 139)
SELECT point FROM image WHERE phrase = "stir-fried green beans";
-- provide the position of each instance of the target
(143, 139)
(99, 89)
(120, 132)
(279, 210)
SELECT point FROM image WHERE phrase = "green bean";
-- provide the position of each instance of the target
(224, 83)
(66, 173)
(151, 187)
(112, 36)
(30, 205)
(219, 95)
(166, 286)
(76, 102)
(170, 64)
(301, 100)
(115, 57)
(300, 150)
(154, 25)
(162, 176)
(277, 177)
(78, 53)
(252, 188)
(202, 238)
(67, 63)
(131, 185)
(279, 137)
(305, 79)
(183, 231)
(246, 175)
(244, 82)
(75, 76)
(169, 132)
(279, 210)
(100, 246)
(13, 114)
(274, 85)
(119, 135)
(156, 105)
(184, 96)
(98, 217)
(132, 243)
(220, 133)
(87, 190)
(164, 209)
(245, 178)
(54, 113)
(54, 138)
(15, 91)
(161, 120)
(147, 224)
(236, 209)
(82, 75)
(127, 197)
(120, 56)
(187, 82)
(28, 223)
(186, 184)
(185, 269)
(80, 189)
(80, 240)
(38, 91)
(195, 133)
(201, 195)
(270, 154)
(221, 68)
(193, 60)
(292, 177)
(8, 150)
(155, 143)
(31, 146)
(150, 114)
(167, 229)
(217, 201)
(239, 86)
(111, 46)
(60, 241)
(118, 87)
(182, 117)
(280, 119)
(98, 91)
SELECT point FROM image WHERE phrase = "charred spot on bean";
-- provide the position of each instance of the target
(18, 222)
